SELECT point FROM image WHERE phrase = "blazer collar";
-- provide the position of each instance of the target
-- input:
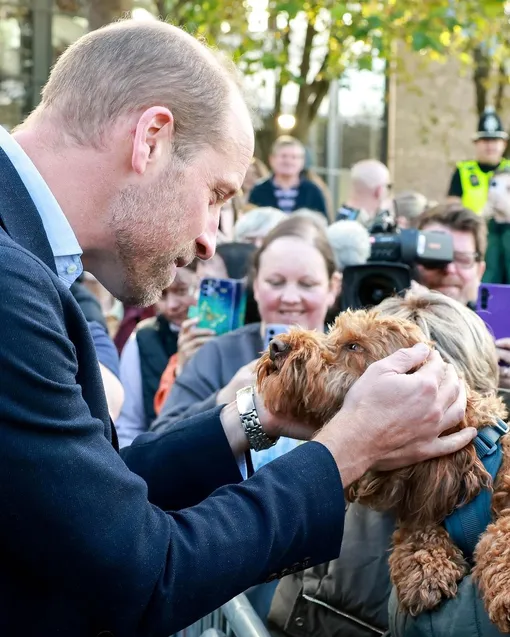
(19, 216)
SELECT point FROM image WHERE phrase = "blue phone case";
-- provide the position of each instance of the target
(272, 330)
(216, 304)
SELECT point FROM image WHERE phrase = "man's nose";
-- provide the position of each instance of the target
(206, 245)
(206, 242)
(451, 268)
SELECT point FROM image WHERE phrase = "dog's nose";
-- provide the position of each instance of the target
(277, 348)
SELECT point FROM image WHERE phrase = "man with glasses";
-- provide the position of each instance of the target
(461, 278)
(146, 355)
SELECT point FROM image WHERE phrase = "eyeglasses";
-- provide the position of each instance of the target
(463, 260)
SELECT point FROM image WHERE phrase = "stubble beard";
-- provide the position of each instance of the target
(146, 267)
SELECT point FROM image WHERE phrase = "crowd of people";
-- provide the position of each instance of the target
(175, 509)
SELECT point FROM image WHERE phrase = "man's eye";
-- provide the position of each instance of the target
(217, 198)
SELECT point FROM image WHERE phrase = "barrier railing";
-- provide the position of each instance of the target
(236, 618)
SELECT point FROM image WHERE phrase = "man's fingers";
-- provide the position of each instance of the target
(503, 343)
(504, 355)
(455, 399)
(404, 360)
(450, 444)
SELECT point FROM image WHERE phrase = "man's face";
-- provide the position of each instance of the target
(165, 223)
(461, 278)
(490, 151)
(287, 161)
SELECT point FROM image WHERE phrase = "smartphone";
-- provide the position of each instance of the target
(239, 303)
(272, 330)
(216, 304)
(493, 306)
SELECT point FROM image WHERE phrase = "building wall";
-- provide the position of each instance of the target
(432, 119)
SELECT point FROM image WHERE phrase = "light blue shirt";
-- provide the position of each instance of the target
(62, 240)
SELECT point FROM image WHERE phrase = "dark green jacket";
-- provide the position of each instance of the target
(497, 257)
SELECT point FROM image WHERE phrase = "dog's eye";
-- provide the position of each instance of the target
(354, 347)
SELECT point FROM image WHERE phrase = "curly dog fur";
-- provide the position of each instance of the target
(306, 375)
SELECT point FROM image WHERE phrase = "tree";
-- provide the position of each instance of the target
(102, 12)
(304, 44)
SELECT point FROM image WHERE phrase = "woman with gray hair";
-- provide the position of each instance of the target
(255, 224)
(408, 207)
(350, 242)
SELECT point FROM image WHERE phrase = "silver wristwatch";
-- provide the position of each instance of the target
(258, 440)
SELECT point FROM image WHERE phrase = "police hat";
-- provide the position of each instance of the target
(490, 126)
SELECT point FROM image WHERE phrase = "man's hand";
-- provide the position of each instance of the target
(503, 350)
(245, 376)
(391, 418)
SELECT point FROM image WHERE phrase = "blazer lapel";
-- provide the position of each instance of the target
(19, 216)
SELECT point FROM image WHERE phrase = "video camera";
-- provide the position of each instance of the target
(392, 263)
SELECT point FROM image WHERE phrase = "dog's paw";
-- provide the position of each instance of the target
(498, 610)
(428, 585)
(425, 569)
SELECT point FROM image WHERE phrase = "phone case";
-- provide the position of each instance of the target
(493, 307)
(240, 304)
(272, 330)
(216, 304)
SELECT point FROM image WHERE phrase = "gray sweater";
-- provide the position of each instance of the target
(212, 367)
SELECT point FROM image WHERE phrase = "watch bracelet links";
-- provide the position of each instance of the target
(257, 438)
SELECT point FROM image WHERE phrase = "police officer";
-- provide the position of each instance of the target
(470, 181)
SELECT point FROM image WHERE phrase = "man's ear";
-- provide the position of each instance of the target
(153, 135)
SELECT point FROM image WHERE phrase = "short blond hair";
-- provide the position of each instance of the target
(286, 140)
(129, 66)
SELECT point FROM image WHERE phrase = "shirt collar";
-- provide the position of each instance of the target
(64, 245)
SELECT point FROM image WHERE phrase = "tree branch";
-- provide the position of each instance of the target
(481, 76)
(321, 90)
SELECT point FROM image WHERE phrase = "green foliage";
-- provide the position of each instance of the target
(310, 42)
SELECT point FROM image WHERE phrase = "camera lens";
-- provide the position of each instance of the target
(375, 288)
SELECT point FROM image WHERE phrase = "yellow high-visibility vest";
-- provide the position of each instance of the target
(475, 184)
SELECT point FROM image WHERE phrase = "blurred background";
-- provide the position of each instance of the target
(400, 81)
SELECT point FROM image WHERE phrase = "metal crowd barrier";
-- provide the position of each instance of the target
(236, 618)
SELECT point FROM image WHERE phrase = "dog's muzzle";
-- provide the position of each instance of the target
(278, 349)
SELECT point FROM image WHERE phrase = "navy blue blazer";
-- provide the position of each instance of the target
(138, 544)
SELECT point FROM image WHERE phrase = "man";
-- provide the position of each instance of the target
(461, 278)
(471, 179)
(369, 192)
(286, 189)
(131, 176)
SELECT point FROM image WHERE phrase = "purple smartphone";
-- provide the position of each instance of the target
(493, 306)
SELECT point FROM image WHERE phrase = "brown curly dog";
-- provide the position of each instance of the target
(306, 375)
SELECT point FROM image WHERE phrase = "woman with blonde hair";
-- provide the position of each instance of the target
(352, 596)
